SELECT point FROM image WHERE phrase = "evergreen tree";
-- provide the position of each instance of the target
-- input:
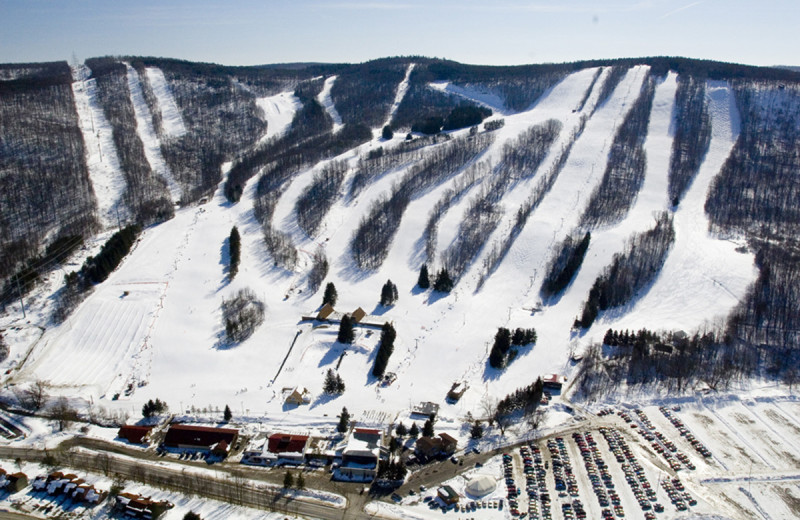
(476, 432)
(227, 415)
(414, 430)
(387, 132)
(499, 353)
(339, 384)
(346, 330)
(288, 480)
(235, 245)
(443, 282)
(389, 293)
(385, 349)
(423, 281)
(427, 428)
(344, 421)
(151, 408)
(401, 430)
(330, 386)
(300, 483)
(330, 294)
(191, 515)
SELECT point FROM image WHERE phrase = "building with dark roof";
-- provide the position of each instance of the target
(216, 440)
(135, 434)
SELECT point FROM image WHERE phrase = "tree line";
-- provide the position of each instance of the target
(370, 243)
(626, 166)
(146, 193)
(692, 135)
(630, 271)
(46, 192)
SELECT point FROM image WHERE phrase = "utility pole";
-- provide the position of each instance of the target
(19, 292)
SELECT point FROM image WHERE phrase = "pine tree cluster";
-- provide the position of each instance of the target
(395, 471)
(525, 399)
(334, 384)
(503, 341)
(385, 349)
(443, 281)
(235, 245)
(389, 293)
(151, 408)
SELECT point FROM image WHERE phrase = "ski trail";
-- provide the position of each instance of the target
(108, 181)
(326, 101)
(402, 88)
(710, 269)
(279, 110)
(171, 118)
(144, 128)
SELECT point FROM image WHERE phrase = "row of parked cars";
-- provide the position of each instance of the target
(535, 485)
(511, 486)
(634, 475)
(684, 431)
(662, 445)
(596, 469)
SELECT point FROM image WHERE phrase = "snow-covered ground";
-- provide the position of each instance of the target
(144, 127)
(160, 309)
(326, 101)
(171, 118)
(153, 329)
(278, 112)
(108, 181)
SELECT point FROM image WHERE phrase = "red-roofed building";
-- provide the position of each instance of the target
(552, 381)
(135, 434)
(217, 440)
(282, 443)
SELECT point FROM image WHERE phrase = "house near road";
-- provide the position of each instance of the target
(217, 441)
(279, 448)
(361, 455)
(135, 434)
(431, 447)
(137, 506)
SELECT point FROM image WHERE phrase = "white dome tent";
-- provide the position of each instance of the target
(481, 485)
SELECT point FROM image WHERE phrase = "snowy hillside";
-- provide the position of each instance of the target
(154, 328)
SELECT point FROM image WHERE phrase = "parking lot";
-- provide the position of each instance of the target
(738, 459)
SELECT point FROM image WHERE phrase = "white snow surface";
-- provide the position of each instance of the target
(144, 127)
(163, 338)
(326, 101)
(108, 181)
(402, 88)
(483, 97)
(278, 110)
(171, 118)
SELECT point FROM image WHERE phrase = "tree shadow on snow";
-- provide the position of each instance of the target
(323, 399)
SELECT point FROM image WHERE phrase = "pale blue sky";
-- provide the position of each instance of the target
(758, 32)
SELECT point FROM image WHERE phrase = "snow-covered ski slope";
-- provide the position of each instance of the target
(278, 112)
(156, 324)
(171, 118)
(326, 101)
(102, 160)
(144, 127)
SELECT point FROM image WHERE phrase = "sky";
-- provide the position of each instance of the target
(502, 32)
